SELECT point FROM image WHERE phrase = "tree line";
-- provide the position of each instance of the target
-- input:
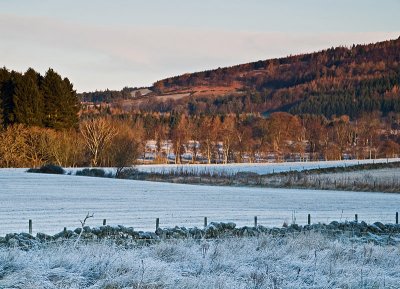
(280, 136)
(120, 141)
(29, 98)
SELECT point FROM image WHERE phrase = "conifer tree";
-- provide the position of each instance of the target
(73, 105)
(6, 92)
(28, 100)
(61, 102)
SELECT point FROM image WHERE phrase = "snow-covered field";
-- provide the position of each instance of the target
(260, 168)
(55, 201)
(300, 261)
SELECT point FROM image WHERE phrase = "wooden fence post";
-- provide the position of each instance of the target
(205, 222)
(309, 219)
(104, 222)
(255, 221)
(397, 218)
(157, 223)
(30, 226)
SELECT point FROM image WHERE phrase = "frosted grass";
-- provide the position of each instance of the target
(303, 261)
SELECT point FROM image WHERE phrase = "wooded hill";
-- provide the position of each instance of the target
(336, 81)
(342, 80)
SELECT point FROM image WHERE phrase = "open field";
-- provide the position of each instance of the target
(55, 201)
(260, 168)
(298, 261)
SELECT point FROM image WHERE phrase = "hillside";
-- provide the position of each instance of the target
(340, 80)
(336, 81)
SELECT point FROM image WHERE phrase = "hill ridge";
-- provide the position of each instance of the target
(353, 80)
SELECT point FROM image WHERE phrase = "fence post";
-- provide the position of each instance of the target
(157, 223)
(397, 218)
(30, 226)
(104, 222)
(309, 219)
(255, 221)
(205, 222)
(356, 218)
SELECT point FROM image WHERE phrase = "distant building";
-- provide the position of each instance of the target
(140, 92)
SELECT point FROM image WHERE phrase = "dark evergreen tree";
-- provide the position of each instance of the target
(73, 105)
(61, 102)
(28, 100)
(7, 86)
(3, 78)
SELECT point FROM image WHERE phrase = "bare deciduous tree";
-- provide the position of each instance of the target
(124, 148)
(97, 134)
(38, 142)
(67, 148)
(13, 146)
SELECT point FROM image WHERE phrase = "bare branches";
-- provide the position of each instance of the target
(88, 216)
(97, 134)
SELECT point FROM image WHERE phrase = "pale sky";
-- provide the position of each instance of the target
(101, 44)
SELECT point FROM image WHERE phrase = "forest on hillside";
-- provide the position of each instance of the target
(337, 81)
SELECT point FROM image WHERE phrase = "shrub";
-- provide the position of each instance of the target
(48, 169)
(129, 173)
(94, 173)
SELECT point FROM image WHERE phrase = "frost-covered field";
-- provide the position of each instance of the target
(301, 261)
(260, 168)
(55, 201)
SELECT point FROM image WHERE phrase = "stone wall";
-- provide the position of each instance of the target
(378, 233)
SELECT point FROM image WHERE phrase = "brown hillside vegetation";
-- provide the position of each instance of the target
(342, 80)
